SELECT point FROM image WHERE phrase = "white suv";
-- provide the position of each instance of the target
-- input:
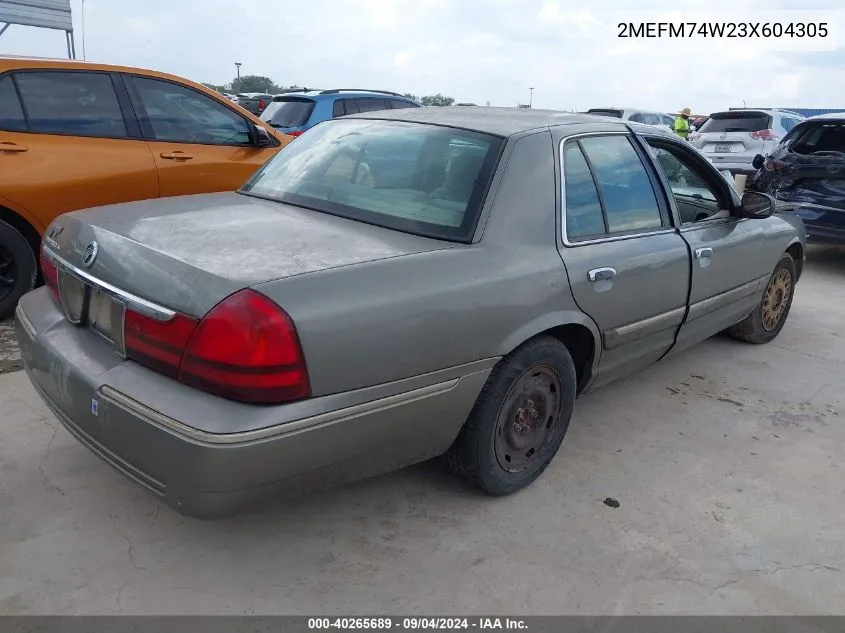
(730, 140)
(637, 115)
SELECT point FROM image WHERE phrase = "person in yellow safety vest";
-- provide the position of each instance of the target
(681, 126)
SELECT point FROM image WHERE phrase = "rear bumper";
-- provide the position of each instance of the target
(211, 474)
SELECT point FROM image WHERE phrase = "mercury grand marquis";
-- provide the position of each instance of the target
(389, 288)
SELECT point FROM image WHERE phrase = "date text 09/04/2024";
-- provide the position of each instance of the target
(723, 29)
(417, 623)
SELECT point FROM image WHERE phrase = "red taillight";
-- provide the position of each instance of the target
(262, 104)
(764, 135)
(50, 274)
(295, 134)
(246, 348)
(157, 344)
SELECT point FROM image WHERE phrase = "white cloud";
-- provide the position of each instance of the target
(473, 50)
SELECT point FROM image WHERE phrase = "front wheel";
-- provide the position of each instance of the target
(769, 317)
(519, 420)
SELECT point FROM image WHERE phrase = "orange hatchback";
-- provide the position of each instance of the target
(77, 134)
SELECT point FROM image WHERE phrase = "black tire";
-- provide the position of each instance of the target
(18, 269)
(534, 368)
(758, 327)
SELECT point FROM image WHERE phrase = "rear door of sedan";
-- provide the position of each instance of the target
(628, 267)
(728, 263)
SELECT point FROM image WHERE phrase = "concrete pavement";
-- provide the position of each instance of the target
(726, 462)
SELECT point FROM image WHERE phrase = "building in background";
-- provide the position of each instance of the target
(807, 112)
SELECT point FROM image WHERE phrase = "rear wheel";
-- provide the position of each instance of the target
(519, 421)
(18, 268)
(769, 317)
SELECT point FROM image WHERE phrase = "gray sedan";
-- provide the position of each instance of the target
(392, 287)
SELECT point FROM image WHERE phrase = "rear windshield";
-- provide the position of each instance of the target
(288, 112)
(828, 137)
(616, 114)
(737, 122)
(421, 179)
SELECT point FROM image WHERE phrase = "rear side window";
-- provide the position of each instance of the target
(584, 217)
(737, 122)
(289, 112)
(651, 118)
(616, 114)
(626, 192)
(400, 104)
(372, 105)
(76, 103)
(828, 137)
(637, 117)
(11, 113)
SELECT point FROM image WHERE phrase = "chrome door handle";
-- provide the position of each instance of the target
(703, 253)
(601, 274)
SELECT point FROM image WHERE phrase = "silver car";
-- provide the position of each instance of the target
(731, 140)
(637, 115)
(392, 287)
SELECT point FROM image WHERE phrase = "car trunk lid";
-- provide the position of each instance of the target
(188, 253)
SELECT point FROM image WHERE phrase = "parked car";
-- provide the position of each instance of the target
(636, 115)
(254, 102)
(731, 139)
(392, 287)
(295, 112)
(231, 97)
(806, 171)
(78, 134)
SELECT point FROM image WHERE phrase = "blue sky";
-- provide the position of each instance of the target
(473, 50)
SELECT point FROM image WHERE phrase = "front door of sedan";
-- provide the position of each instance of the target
(200, 145)
(728, 266)
(628, 267)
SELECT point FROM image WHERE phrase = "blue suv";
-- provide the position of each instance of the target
(295, 112)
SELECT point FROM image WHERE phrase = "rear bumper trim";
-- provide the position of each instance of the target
(341, 415)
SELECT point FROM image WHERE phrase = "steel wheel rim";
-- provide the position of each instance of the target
(7, 272)
(528, 418)
(776, 299)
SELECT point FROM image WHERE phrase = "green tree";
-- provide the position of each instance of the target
(255, 83)
(218, 88)
(437, 100)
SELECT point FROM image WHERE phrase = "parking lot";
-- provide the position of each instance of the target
(725, 462)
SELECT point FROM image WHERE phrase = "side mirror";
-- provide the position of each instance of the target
(756, 205)
(758, 161)
(261, 137)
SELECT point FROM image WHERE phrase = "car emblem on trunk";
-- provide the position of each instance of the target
(90, 254)
(723, 136)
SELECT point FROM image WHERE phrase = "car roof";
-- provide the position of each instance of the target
(828, 116)
(490, 120)
(20, 62)
(331, 94)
